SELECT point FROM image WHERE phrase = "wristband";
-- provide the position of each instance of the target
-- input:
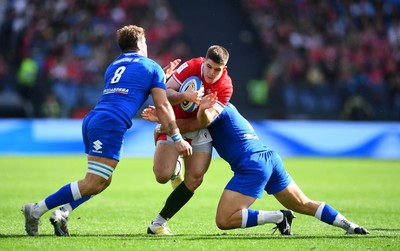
(176, 137)
(158, 128)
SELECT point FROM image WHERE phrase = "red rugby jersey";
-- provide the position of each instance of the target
(223, 86)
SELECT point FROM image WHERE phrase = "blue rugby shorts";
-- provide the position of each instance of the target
(260, 172)
(103, 134)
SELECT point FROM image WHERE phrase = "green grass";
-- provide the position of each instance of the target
(366, 191)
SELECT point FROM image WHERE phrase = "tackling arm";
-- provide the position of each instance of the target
(206, 113)
(165, 114)
(166, 117)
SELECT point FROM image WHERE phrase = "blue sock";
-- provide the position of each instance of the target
(326, 213)
(64, 195)
(77, 203)
(249, 218)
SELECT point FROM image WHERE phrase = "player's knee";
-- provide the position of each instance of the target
(222, 223)
(95, 187)
(197, 177)
(162, 175)
(102, 186)
(193, 181)
(197, 181)
(162, 179)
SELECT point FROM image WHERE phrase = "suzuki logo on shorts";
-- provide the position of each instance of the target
(97, 145)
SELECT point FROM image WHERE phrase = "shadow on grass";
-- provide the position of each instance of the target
(374, 234)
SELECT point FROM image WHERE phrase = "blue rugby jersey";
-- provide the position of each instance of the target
(128, 81)
(233, 137)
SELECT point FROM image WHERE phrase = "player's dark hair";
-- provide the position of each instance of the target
(218, 54)
(129, 36)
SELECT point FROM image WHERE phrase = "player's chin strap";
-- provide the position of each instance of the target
(100, 169)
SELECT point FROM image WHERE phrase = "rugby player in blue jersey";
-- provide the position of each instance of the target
(128, 82)
(256, 168)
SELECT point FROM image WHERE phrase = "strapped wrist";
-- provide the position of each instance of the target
(176, 137)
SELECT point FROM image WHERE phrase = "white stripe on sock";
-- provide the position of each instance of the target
(245, 215)
(76, 194)
(318, 214)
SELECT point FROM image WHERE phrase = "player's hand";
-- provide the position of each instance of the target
(170, 68)
(150, 114)
(192, 95)
(184, 148)
(208, 101)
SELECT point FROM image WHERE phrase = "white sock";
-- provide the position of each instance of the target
(66, 208)
(269, 217)
(39, 209)
(159, 220)
(341, 221)
(252, 217)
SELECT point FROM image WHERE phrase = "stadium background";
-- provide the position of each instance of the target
(301, 69)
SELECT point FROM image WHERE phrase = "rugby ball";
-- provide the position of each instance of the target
(196, 83)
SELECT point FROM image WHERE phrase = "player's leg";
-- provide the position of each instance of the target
(74, 194)
(161, 172)
(240, 193)
(98, 176)
(232, 210)
(165, 159)
(195, 167)
(293, 198)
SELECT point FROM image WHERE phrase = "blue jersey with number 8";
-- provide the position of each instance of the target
(127, 84)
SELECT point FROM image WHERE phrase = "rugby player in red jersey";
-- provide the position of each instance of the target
(212, 71)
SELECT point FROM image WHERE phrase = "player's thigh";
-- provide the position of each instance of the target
(197, 164)
(165, 158)
(232, 202)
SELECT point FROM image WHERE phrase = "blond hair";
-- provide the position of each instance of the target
(129, 36)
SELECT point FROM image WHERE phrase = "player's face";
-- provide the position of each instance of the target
(212, 70)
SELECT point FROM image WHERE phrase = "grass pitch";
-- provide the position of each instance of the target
(366, 191)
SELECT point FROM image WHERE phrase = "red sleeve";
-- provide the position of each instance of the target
(188, 69)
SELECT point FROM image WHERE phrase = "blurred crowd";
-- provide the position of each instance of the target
(330, 57)
(53, 54)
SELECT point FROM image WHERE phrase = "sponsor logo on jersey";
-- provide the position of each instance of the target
(97, 145)
(116, 90)
(182, 67)
(250, 136)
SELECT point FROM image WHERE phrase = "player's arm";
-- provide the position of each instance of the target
(185, 125)
(166, 117)
(207, 113)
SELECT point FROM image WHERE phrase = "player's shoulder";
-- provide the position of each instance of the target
(193, 64)
(149, 61)
(189, 68)
(151, 64)
(196, 61)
